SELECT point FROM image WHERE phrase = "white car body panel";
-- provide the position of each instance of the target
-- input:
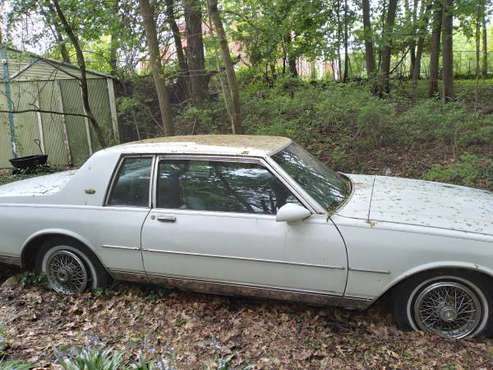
(246, 249)
(425, 203)
(387, 229)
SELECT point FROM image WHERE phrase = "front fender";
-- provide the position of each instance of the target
(435, 266)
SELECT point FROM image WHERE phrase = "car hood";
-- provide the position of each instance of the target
(40, 186)
(421, 203)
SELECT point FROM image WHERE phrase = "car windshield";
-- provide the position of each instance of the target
(324, 185)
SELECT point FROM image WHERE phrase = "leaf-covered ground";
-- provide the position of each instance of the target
(193, 331)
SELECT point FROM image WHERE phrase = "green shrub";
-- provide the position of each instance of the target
(469, 170)
(375, 122)
(14, 365)
(99, 359)
(29, 278)
(93, 360)
(211, 119)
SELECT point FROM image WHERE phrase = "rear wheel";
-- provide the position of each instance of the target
(69, 268)
(451, 304)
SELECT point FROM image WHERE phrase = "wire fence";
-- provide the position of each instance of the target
(464, 66)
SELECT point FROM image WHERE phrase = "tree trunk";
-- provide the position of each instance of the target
(478, 41)
(83, 75)
(485, 45)
(412, 18)
(339, 32)
(289, 55)
(293, 70)
(435, 48)
(368, 36)
(195, 51)
(447, 52)
(423, 26)
(384, 87)
(57, 32)
(346, 42)
(369, 51)
(228, 65)
(156, 67)
(183, 80)
(114, 43)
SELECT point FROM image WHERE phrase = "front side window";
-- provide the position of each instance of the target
(220, 186)
(131, 185)
(324, 185)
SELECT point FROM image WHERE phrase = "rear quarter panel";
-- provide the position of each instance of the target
(93, 226)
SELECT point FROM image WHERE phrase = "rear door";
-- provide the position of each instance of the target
(215, 221)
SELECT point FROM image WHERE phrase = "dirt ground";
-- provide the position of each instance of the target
(193, 331)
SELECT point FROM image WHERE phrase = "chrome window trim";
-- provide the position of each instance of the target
(115, 174)
(314, 205)
(150, 250)
(232, 159)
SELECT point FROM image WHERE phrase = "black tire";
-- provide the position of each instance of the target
(407, 296)
(96, 275)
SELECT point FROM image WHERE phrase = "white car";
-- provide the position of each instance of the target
(258, 216)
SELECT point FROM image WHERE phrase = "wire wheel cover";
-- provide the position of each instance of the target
(66, 272)
(449, 309)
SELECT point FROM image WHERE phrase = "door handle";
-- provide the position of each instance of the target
(169, 219)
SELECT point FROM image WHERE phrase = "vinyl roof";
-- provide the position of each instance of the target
(243, 145)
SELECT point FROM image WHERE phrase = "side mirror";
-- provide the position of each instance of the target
(292, 213)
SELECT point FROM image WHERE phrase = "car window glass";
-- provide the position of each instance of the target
(220, 186)
(324, 185)
(131, 186)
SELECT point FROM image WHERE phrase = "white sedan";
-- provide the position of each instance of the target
(258, 216)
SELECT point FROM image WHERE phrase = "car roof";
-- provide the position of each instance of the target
(235, 145)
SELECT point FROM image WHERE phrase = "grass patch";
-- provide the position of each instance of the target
(14, 365)
(103, 359)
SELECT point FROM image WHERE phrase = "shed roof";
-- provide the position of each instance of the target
(27, 66)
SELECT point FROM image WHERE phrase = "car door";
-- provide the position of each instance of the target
(214, 220)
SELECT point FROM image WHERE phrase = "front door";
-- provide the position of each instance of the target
(215, 221)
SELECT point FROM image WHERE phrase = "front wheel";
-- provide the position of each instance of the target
(450, 304)
(68, 268)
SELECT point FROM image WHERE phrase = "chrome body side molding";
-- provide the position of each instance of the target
(245, 259)
(120, 247)
(385, 272)
(10, 260)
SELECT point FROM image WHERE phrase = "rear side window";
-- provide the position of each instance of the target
(131, 185)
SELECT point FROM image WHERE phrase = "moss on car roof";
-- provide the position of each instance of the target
(243, 142)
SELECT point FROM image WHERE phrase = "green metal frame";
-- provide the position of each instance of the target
(8, 95)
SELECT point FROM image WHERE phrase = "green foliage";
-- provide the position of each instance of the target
(14, 365)
(93, 360)
(353, 131)
(270, 30)
(29, 278)
(103, 359)
(468, 170)
(202, 119)
(3, 341)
